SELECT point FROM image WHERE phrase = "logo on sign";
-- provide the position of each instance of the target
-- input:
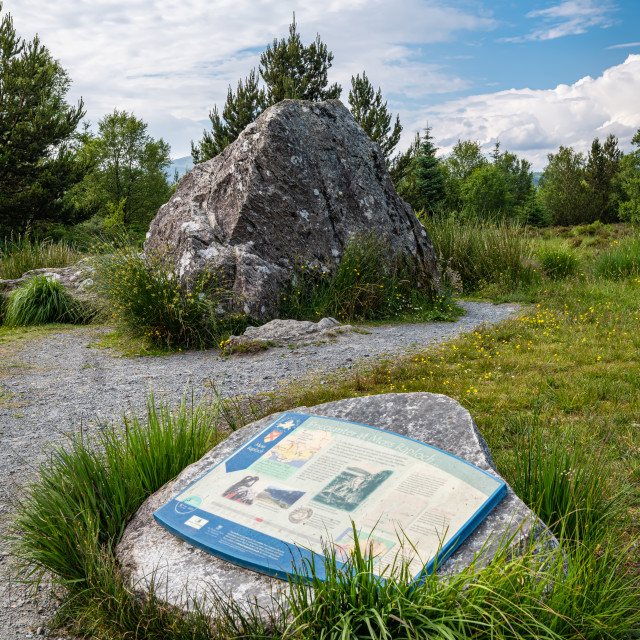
(272, 436)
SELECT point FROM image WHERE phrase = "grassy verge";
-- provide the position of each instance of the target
(17, 256)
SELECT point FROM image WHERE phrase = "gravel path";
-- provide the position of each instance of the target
(61, 383)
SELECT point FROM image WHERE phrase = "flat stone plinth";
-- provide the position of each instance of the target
(181, 573)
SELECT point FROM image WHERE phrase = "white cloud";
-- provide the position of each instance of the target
(571, 17)
(170, 61)
(533, 123)
(624, 46)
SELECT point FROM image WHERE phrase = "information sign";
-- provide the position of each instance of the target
(302, 482)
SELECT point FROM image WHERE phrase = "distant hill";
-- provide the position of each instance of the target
(536, 177)
(181, 165)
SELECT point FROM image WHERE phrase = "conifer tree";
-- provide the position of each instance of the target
(289, 70)
(292, 70)
(422, 185)
(240, 110)
(37, 126)
(370, 112)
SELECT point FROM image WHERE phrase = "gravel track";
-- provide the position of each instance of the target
(61, 384)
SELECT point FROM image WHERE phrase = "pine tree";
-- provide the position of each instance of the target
(292, 70)
(370, 112)
(240, 110)
(37, 126)
(289, 70)
(422, 185)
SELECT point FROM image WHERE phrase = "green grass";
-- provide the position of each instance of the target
(474, 253)
(87, 491)
(43, 300)
(558, 263)
(145, 297)
(22, 254)
(620, 260)
(554, 392)
(365, 286)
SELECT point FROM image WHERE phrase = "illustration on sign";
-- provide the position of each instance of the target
(302, 483)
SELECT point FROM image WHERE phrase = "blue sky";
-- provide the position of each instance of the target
(533, 75)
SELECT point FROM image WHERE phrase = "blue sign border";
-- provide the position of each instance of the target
(260, 552)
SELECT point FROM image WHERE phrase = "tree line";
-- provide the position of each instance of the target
(54, 170)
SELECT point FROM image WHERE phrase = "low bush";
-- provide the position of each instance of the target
(482, 253)
(366, 285)
(144, 295)
(43, 300)
(620, 260)
(22, 254)
(558, 263)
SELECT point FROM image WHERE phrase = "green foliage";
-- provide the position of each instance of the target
(22, 254)
(41, 301)
(290, 70)
(486, 193)
(128, 176)
(147, 298)
(364, 286)
(295, 71)
(399, 166)
(517, 172)
(563, 189)
(88, 490)
(601, 171)
(629, 184)
(421, 183)
(620, 260)
(37, 163)
(465, 157)
(240, 110)
(482, 253)
(565, 489)
(558, 262)
(511, 597)
(370, 112)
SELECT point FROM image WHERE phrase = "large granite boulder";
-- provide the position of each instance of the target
(182, 574)
(296, 185)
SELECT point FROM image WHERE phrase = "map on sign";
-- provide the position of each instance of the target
(300, 485)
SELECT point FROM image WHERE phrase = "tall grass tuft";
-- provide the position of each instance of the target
(527, 596)
(366, 285)
(22, 254)
(558, 263)
(88, 490)
(565, 490)
(620, 260)
(482, 253)
(144, 295)
(43, 300)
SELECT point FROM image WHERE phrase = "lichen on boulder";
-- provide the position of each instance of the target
(295, 187)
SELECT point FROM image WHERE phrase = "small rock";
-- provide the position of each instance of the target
(289, 333)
